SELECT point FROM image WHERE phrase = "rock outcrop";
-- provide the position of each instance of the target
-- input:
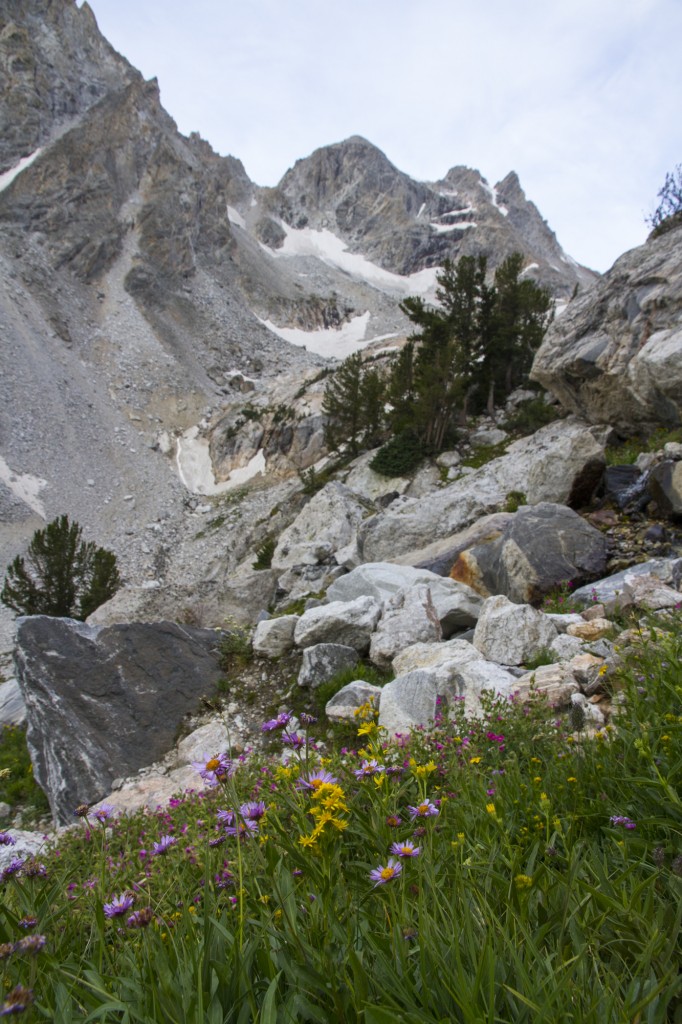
(103, 702)
(615, 354)
(542, 547)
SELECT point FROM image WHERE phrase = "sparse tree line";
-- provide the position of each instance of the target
(465, 356)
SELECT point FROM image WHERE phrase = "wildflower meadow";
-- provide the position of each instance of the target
(500, 868)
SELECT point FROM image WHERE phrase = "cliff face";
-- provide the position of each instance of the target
(615, 355)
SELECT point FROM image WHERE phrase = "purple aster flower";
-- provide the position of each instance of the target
(103, 813)
(243, 829)
(253, 810)
(163, 846)
(381, 875)
(369, 768)
(34, 869)
(623, 821)
(7, 840)
(424, 810)
(14, 866)
(316, 780)
(18, 1000)
(225, 817)
(394, 821)
(28, 922)
(140, 918)
(276, 723)
(30, 944)
(119, 905)
(394, 770)
(293, 740)
(213, 769)
(406, 849)
(307, 719)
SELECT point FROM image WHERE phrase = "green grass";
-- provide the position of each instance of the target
(626, 454)
(547, 888)
(18, 788)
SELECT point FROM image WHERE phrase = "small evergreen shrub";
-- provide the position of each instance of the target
(400, 456)
(530, 415)
(514, 501)
(264, 553)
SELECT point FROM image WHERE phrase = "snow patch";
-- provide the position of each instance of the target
(24, 487)
(8, 177)
(332, 250)
(195, 469)
(235, 217)
(332, 342)
(441, 229)
(527, 270)
(421, 210)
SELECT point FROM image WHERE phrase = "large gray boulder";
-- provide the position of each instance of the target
(512, 634)
(409, 701)
(409, 617)
(340, 622)
(326, 524)
(541, 547)
(563, 463)
(611, 591)
(457, 605)
(615, 354)
(665, 485)
(103, 702)
(343, 705)
(321, 663)
(274, 637)
(237, 599)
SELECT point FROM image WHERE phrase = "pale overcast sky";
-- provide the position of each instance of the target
(583, 98)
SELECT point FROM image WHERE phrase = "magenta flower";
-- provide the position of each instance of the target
(424, 810)
(119, 905)
(406, 849)
(215, 768)
(381, 875)
(369, 768)
(163, 846)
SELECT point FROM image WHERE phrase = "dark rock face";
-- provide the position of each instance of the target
(665, 486)
(543, 546)
(615, 354)
(104, 702)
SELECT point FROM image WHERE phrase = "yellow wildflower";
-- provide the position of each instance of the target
(307, 840)
(490, 808)
(523, 881)
(474, 760)
(367, 729)
(571, 778)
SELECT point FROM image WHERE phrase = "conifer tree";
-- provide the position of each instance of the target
(61, 575)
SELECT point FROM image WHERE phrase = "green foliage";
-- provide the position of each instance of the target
(530, 415)
(669, 201)
(547, 888)
(514, 501)
(400, 456)
(626, 454)
(61, 575)
(485, 453)
(354, 406)
(235, 648)
(18, 788)
(264, 553)
(544, 656)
